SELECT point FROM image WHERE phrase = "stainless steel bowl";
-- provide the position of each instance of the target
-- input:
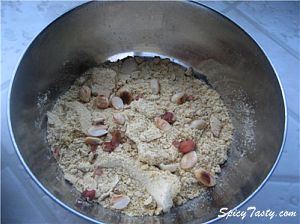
(187, 32)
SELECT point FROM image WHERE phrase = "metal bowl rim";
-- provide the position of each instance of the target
(196, 4)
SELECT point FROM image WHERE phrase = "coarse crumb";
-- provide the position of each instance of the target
(140, 173)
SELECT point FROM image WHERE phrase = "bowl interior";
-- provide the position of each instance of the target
(190, 34)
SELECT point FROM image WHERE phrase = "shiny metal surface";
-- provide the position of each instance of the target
(189, 33)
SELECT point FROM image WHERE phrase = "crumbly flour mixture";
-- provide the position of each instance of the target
(140, 135)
